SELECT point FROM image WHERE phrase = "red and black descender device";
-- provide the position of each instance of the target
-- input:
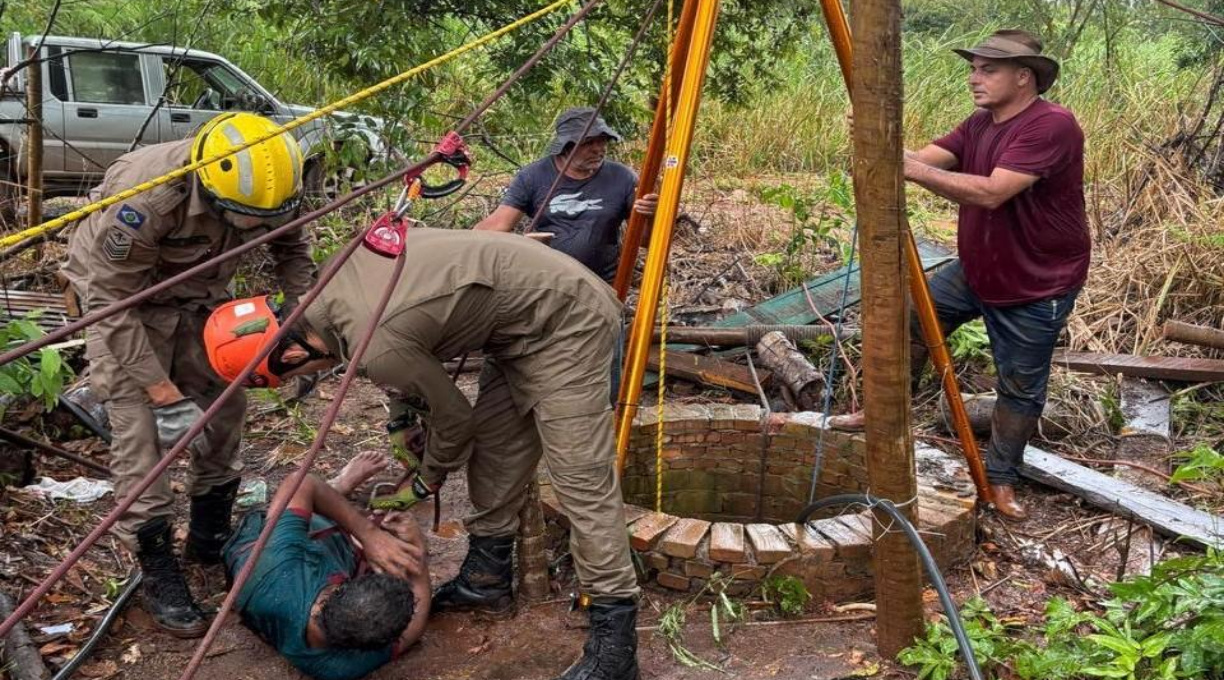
(386, 236)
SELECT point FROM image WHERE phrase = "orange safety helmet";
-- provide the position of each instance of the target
(234, 333)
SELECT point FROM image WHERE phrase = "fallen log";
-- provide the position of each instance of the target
(1124, 499)
(792, 368)
(21, 658)
(709, 371)
(1057, 420)
(1160, 368)
(1193, 335)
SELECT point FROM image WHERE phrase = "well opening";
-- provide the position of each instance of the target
(722, 464)
(734, 485)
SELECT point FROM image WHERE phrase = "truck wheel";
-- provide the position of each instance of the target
(323, 186)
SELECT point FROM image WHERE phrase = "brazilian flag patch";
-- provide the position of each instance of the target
(130, 217)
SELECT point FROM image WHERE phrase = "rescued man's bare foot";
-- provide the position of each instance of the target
(359, 470)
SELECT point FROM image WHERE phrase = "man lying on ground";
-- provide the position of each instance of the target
(311, 595)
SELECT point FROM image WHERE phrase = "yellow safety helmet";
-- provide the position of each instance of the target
(264, 180)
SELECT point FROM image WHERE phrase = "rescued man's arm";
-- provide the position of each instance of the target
(412, 370)
(404, 526)
(385, 552)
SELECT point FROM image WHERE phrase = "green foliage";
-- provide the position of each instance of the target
(1167, 625)
(814, 214)
(43, 378)
(787, 593)
(1202, 463)
(970, 342)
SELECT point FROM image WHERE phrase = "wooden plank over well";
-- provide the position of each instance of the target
(1120, 497)
(709, 371)
(1161, 368)
(647, 530)
(769, 544)
(684, 537)
(727, 543)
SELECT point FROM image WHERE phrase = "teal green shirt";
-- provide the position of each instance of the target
(303, 556)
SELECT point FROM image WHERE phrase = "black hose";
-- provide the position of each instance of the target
(928, 561)
(104, 625)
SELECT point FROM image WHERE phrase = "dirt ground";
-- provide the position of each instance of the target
(1012, 569)
(1064, 549)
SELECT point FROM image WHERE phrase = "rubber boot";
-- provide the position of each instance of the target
(610, 652)
(210, 523)
(485, 581)
(165, 593)
(1010, 432)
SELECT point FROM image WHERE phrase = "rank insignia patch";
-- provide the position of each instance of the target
(130, 217)
(118, 245)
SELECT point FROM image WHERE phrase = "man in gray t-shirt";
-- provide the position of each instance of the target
(584, 215)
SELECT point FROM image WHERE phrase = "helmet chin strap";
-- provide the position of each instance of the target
(276, 361)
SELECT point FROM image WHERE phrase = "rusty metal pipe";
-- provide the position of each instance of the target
(299, 475)
(175, 451)
(429, 159)
(22, 440)
(635, 231)
(31, 600)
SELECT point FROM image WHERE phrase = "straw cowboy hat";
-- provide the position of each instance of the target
(1021, 47)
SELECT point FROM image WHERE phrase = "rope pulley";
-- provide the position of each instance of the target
(386, 236)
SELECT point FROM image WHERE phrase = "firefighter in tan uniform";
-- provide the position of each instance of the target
(148, 363)
(547, 324)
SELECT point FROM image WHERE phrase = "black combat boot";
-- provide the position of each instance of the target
(485, 580)
(166, 595)
(210, 523)
(610, 652)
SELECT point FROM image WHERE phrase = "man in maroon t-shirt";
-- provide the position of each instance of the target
(1016, 168)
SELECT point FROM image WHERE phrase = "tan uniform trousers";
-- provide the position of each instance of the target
(579, 452)
(175, 335)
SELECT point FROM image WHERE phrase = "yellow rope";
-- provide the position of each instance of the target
(664, 307)
(291, 125)
(663, 314)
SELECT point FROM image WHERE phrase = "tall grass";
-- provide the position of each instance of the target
(1133, 97)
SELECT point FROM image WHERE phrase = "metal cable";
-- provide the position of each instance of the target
(833, 362)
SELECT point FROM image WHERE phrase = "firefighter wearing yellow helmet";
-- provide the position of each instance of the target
(148, 363)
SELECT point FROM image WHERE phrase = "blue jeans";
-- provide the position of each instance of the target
(1022, 339)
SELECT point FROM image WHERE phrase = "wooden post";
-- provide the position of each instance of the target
(532, 557)
(880, 198)
(34, 102)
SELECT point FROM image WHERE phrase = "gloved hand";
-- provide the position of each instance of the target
(407, 496)
(173, 421)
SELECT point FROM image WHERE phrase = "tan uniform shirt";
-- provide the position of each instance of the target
(529, 307)
(152, 236)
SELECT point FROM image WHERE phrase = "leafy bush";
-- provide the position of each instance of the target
(1160, 627)
(44, 378)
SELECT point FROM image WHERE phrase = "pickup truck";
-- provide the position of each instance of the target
(97, 94)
